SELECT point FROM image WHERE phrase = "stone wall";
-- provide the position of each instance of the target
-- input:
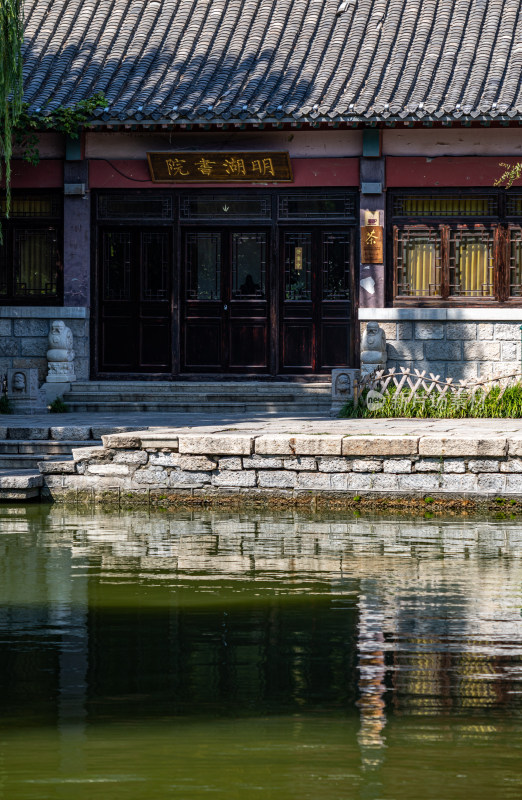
(24, 332)
(290, 468)
(452, 343)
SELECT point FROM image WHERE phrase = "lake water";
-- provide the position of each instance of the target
(282, 656)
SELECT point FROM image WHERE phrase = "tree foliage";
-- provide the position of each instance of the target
(11, 82)
(17, 125)
(63, 119)
(512, 173)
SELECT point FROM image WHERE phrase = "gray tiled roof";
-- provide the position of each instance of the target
(277, 60)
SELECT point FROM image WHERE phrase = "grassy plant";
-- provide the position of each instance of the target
(58, 406)
(5, 405)
(486, 404)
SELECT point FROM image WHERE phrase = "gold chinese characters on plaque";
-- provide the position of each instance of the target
(372, 244)
(197, 167)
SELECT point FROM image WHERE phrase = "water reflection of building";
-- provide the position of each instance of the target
(372, 673)
(435, 603)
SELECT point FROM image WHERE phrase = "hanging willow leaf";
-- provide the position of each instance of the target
(11, 83)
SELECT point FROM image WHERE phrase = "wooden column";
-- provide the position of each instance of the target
(77, 234)
(372, 276)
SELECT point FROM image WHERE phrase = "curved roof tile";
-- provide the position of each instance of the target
(286, 60)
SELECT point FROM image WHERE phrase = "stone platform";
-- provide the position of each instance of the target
(293, 461)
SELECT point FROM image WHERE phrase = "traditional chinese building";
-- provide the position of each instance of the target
(264, 177)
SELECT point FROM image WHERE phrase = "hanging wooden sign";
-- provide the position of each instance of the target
(225, 167)
(372, 251)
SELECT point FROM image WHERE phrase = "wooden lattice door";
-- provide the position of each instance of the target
(134, 332)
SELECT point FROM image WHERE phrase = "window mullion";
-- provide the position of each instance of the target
(513, 250)
(498, 263)
(502, 265)
(444, 278)
(395, 261)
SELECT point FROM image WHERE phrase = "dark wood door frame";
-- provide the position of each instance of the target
(133, 312)
(274, 225)
(312, 316)
(223, 318)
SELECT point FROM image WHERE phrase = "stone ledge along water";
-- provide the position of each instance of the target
(173, 467)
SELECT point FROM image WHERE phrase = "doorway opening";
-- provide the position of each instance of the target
(190, 283)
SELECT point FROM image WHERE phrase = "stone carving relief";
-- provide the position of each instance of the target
(60, 355)
(373, 349)
(343, 385)
(23, 392)
(19, 384)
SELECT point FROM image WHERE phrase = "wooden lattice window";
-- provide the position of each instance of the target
(418, 261)
(31, 271)
(304, 205)
(298, 266)
(203, 266)
(514, 261)
(449, 261)
(155, 283)
(471, 262)
(249, 265)
(437, 206)
(336, 263)
(459, 248)
(117, 248)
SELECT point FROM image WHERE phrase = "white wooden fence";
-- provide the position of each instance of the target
(416, 384)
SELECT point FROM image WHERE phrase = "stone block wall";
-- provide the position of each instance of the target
(451, 348)
(201, 468)
(24, 332)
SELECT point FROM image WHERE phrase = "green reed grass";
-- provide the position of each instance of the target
(485, 404)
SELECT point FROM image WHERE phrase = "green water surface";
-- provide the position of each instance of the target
(214, 655)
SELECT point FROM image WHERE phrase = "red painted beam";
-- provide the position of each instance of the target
(48, 174)
(454, 171)
(128, 173)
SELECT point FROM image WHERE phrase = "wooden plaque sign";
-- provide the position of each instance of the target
(198, 167)
(372, 244)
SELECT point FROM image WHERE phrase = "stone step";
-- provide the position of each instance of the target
(205, 386)
(53, 433)
(81, 434)
(28, 461)
(197, 404)
(221, 397)
(184, 397)
(43, 447)
(197, 392)
(82, 406)
(20, 484)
